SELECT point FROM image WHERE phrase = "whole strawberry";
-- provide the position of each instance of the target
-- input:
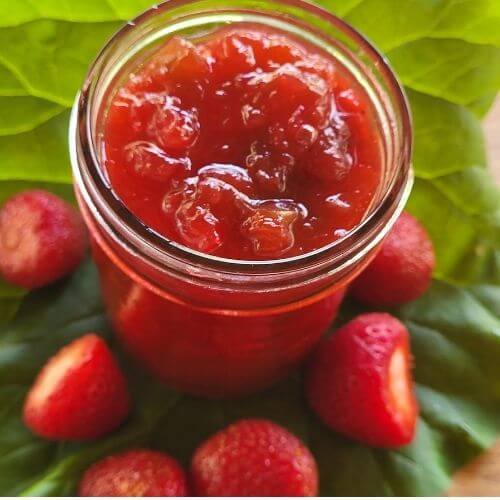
(359, 381)
(79, 394)
(254, 458)
(42, 238)
(402, 269)
(134, 473)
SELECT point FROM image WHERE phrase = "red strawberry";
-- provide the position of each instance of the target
(42, 238)
(402, 269)
(79, 394)
(359, 381)
(134, 473)
(254, 458)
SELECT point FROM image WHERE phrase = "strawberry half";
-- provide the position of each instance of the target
(134, 473)
(359, 381)
(79, 394)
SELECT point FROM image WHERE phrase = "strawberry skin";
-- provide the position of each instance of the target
(42, 238)
(359, 382)
(134, 473)
(254, 458)
(79, 394)
(402, 269)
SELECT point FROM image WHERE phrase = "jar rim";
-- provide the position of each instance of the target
(161, 248)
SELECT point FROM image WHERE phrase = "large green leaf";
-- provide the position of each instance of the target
(38, 155)
(24, 113)
(389, 23)
(60, 51)
(467, 244)
(22, 11)
(451, 69)
(455, 339)
(475, 21)
(392, 23)
(480, 107)
(448, 138)
(9, 84)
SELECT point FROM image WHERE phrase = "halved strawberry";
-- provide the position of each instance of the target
(79, 394)
(359, 381)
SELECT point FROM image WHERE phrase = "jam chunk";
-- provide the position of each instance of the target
(270, 227)
(247, 143)
(148, 161)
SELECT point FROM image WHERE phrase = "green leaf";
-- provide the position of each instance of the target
(22, 455)
(472, 191)
(340, 7)
(89, 11)
(454, 70)
(466, 243)
(454, 196)
(8, 306)
(60, 51)
(38, 155)
(24, 113)
(448, 138)
(392, 23)
(455, 339)
(475, 21)
(10, 292)
(9, 84)
(481, 106)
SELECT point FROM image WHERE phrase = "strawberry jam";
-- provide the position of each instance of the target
(246, 144)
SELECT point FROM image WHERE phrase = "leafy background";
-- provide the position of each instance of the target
(447, 54)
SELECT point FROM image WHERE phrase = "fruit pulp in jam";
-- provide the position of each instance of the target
(248, 144)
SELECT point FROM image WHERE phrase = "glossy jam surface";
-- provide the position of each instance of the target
(247, 144)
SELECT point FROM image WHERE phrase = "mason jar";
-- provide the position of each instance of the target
(216, 326)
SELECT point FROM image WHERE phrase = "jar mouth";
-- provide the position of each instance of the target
(118, 219)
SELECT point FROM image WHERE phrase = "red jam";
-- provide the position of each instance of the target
(248, 144)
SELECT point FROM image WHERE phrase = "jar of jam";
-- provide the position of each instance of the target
(238, 163)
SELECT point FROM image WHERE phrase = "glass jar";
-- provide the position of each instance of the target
(208, 325)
